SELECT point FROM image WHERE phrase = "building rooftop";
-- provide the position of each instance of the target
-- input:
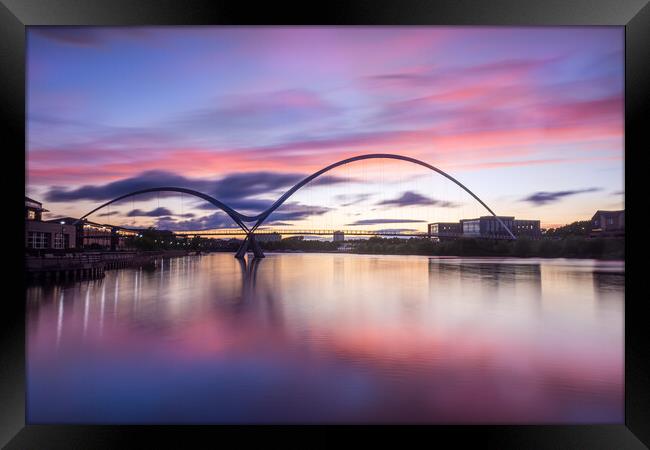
(35, 204)
(27, 199)
(490, 217)
(600, 211)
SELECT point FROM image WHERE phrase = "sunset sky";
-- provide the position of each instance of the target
(530, 119)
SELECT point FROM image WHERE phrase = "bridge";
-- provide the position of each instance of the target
(292, 232)
(236, 232)
(249, 224)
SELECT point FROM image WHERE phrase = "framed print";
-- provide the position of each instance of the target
(374, 214)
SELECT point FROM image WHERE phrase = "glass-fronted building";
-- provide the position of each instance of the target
(487, 227)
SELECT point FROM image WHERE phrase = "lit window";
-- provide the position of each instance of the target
(31, 214)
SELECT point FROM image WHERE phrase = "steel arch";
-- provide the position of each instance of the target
(233, 214)
(264, 215)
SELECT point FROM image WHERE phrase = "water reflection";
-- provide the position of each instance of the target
(249, 276)
(606, 282)
(331, 338)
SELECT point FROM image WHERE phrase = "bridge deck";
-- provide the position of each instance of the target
(239, 232)
(315, 232)
(236, 232)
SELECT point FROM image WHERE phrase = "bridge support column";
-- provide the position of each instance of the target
(257, 250)
(243, 248)
(249, 243)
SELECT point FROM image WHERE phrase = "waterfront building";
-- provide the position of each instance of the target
(89, 234)
(163, 237)
(96, 235)
(442, 230)
(487, 227)
(44, 235)
(339, 236)
(608, 224)
(122, 238)
(33, 209)
(527, 228)
(99, 236)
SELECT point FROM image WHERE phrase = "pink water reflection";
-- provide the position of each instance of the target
(331, 338)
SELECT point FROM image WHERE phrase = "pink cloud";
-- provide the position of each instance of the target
(470, 147)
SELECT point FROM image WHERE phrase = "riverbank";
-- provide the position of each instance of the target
(571, 247)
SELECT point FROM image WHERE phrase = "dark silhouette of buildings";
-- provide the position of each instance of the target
(608, 224)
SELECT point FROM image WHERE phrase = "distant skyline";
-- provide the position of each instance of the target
(531, 119)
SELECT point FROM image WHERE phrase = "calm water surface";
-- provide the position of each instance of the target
(331, 338)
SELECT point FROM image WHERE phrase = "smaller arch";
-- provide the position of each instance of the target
(234, 215)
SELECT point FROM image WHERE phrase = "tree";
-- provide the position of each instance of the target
(580, 228)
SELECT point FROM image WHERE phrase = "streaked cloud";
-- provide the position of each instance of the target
(397, 230)
(108, 213)
(248, 114)
(352, 199)
(292, 211)
(218, 219)
(410, 198)
(381, 221)
(156, 212)
(544, 198)
(288, 212)
(237, 190)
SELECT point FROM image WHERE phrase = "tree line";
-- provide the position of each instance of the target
(571, 247)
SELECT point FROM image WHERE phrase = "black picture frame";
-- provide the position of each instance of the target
(15, 15)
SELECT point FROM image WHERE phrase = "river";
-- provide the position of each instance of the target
(331, 338)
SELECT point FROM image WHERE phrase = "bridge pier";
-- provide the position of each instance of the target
(257, 250)
(249, 242)
(243, 248)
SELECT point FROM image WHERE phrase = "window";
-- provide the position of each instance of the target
(38, 239)
(59, 240)
(31, 214)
